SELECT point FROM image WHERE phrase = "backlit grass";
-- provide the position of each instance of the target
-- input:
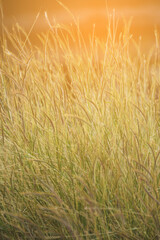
(79, 137)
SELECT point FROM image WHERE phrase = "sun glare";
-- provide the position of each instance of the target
(145, 15)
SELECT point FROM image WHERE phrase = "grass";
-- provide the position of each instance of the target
(79, 137)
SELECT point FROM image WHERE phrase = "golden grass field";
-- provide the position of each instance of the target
(79, 136)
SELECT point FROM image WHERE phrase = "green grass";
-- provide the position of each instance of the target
(79, 137)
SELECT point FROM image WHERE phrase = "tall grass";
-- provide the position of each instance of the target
(79, 136)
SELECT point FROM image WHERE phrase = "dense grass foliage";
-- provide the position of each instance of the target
(79, 137)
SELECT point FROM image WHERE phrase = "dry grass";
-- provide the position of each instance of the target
(79, 137)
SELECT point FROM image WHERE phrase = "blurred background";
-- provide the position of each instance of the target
(145, 13)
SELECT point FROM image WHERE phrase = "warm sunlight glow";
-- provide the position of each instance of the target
(145, 15)
(79, 119)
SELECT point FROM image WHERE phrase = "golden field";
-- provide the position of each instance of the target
(79, 135)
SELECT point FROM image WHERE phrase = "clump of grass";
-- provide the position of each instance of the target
(80, 137)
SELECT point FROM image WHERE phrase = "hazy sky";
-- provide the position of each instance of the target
(14, 7)
(146, 14)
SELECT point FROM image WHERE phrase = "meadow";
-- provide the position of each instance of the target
(79, 136)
